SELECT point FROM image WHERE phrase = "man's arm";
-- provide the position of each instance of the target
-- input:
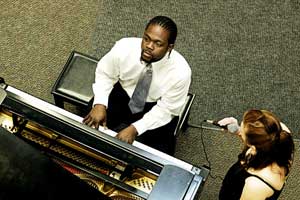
(105, 76)
(166, 108)
(159, 115)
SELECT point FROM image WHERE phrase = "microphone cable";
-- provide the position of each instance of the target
(201, 127)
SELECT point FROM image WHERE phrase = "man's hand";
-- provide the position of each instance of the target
(128, 134)
(96, 117)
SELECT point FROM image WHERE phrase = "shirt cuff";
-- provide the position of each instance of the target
(102, 101)
(140, 126)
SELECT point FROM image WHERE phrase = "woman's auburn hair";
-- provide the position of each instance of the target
(263, 130)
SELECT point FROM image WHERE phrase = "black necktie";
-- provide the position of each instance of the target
(138, 99)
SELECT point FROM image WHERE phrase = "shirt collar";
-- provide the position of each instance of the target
(162, 61)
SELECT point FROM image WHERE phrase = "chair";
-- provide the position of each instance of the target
(74, 84)
(182, 123)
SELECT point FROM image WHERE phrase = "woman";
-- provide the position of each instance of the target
(263, 165)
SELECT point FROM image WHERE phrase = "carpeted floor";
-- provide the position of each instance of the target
(243, 54)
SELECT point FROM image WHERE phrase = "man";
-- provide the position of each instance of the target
(117, 75)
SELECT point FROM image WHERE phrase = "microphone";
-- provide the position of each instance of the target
(231, 128)
(214, 122)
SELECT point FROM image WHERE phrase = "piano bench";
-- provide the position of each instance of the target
(74, 84)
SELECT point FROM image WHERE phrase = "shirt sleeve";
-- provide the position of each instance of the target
(167, 107)
(106, 75)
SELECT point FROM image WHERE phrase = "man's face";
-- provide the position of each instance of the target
(155, 43)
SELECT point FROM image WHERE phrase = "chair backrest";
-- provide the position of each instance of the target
(184, 114)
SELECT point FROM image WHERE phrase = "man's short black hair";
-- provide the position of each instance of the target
(167, 24)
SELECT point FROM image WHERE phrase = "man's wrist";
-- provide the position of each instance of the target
(100, 106)
(133, 130)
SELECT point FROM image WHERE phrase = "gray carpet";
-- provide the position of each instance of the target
(243, 54)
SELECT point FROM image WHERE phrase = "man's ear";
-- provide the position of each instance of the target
(170, 47)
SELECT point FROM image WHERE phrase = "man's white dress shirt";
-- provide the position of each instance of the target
(169, 87)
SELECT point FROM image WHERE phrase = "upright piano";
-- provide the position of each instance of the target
(97, 160)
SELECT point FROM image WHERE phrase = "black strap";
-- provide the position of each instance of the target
(265, 182)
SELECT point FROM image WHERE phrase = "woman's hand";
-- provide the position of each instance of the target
(231, 123)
